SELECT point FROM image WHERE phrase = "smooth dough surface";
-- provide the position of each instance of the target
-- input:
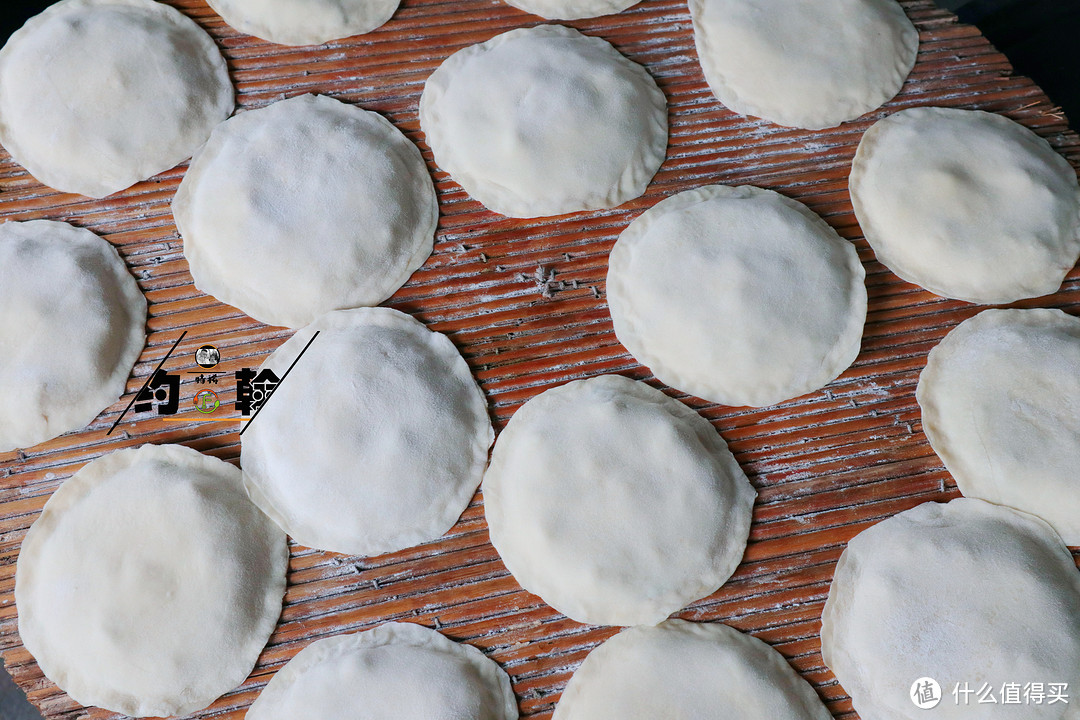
(571, 9)
(967, 204)
(614, 503)
(959, 592)
(304, 22)
(150, 583)
(802, 63)
(679, 669)
(303, 207)
(544, 121)
(377, 440)
(96, 95)
(1000, 399)
(740, 295)
(72, 326)
(398, 671)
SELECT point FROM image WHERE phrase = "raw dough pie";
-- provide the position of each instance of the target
(738, 295)
(375, 442)
(305, 206)
(571, 9)
(72, 326)
(678, 669)
(150, 583)
(544, 121)
(398, 670)
(614, 503)
(96, 95)
(964, 592)
(967, 204)
(304, 22)
(1000, 399)
(803, 63)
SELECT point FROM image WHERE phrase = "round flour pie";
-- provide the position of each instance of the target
(150, 583)
(377, 440)
(72, 326)
(678, 669)
(967, 204)
(96, 95)
(740, 296)
(966, 593)
(304, 22)
(614, 503)
(397, 670)
(544, 121)
(1000, 399)
(571, 9)
(804, 64)
(305, 206)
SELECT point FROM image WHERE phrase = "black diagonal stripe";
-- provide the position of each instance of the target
(282, 380)
(148, 379)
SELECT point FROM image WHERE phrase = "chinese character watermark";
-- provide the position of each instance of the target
(925, 693)
(252, 390)
(161, 391)
(1011, 693)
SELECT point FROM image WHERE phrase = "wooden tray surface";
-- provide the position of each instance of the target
(524, 301)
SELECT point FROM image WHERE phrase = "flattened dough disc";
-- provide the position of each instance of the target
(375, 442)
(544, 121)
(1000, 399)
(968, 204)
(803, 63)
(96, 95)
(304, 22)
(72, 326)
(303, 207)
(738, 295)
(571, 9)
(398, 671)
(614, 503)
(963, 592)
(678, 669)
(150, 583)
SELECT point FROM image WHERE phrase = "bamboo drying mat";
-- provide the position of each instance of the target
(524, 301)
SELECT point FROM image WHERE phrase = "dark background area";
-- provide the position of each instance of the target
(14, 13)
(1040, 37)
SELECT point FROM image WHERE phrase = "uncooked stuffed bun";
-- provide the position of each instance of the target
(966, 593)
(1000, 399)
(544, 121)
(968, 204)
(303, 207)
(678, 669)
(150, 583)
(96, 95)
(738, 295)
(398, 670)
(304, 22)
(377, 440)
(614, 503)
(73, 325)
(803, 63)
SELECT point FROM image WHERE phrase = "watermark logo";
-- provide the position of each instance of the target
(206, 401)
(161, 392)
(1012, 693)
(925, 693)
(207, 357)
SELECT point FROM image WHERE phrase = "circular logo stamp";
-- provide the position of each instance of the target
(925, 693)
(206, 401)
(207, 357)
